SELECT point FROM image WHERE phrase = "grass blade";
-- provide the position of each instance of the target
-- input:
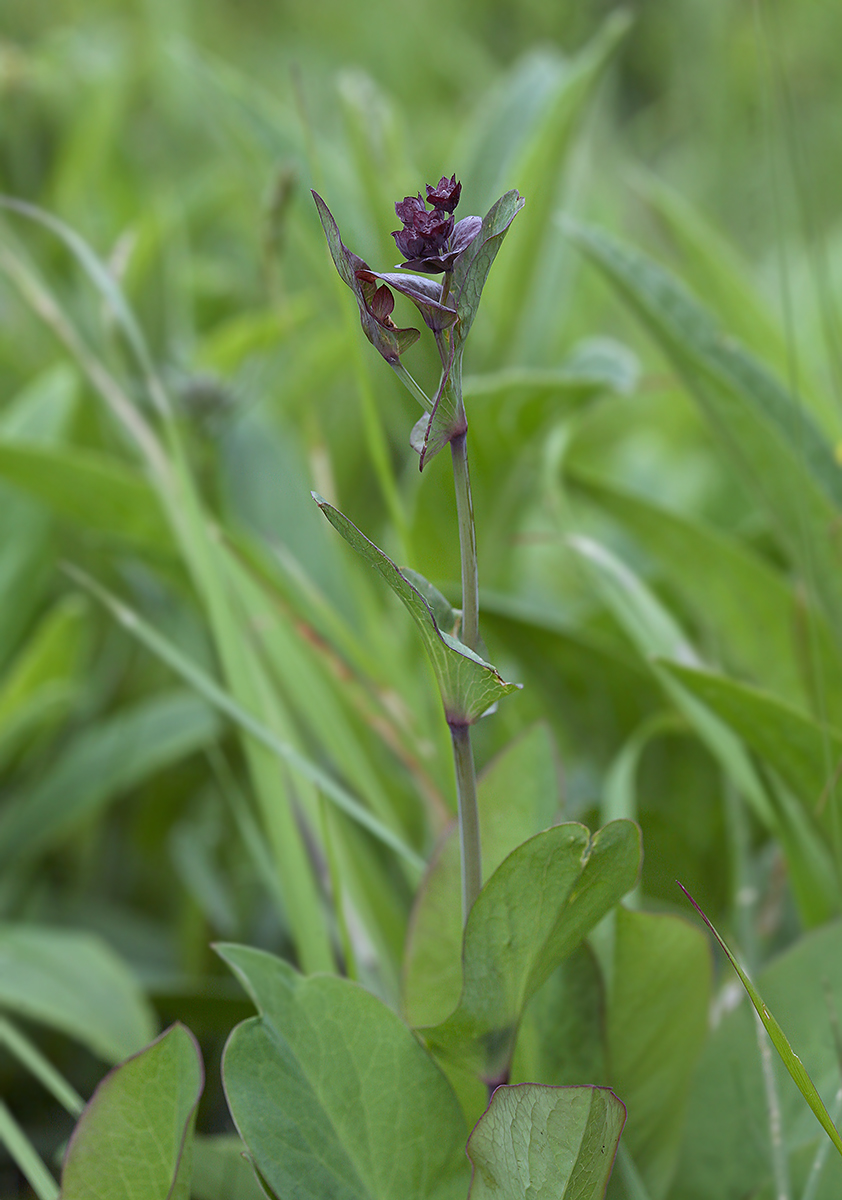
(30, 1057)
(788, 1057)
(221, 700)
(24, 1154)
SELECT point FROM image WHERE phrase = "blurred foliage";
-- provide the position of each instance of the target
(180, 140)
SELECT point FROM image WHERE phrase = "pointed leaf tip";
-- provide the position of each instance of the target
(468, 684)
(384, 335)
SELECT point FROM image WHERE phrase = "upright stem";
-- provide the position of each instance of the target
(466, 780)
(467, 541)
(469, 841)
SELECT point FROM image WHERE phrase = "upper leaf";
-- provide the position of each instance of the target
(468, 685)
(376, 321)
(470, 270)
(424, 293)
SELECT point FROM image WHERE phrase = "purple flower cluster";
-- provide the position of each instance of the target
(430, 240)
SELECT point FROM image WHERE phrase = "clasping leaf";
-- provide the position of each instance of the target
(469, 685)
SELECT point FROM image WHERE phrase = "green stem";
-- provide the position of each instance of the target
(469, 841)
(411, 386)
(467, 542)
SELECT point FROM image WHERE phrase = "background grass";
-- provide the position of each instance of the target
(180, 140)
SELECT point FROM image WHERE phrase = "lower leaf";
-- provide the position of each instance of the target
(333, 1096)
(547, 1143)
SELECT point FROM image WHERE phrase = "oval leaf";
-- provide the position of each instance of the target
(547, 1143)
(332, 1094)
(134, 1139)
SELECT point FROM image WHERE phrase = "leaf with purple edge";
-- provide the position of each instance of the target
(471, 268)
(425, 294)
(468, 684)
(333, 1096)
(134, 1138)
(377, 325)
(547, 1143)
(436, 429)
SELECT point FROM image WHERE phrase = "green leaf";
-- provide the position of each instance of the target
(471, 268)
(26, 1157)
(655, 1027)
(711, 267)
(202, 554)
(221, 1169)
(518, 796)
(545, 1143)
(562, 1036)
(531, 914)
(39, 1067)
(530, 137)
(595, 366)
(39, 414)
(111, 757)
(310, 690)
(134, 1139)
(773, 441)
(73, 982)
(38, 689)
(468, 685)
(333, 1096)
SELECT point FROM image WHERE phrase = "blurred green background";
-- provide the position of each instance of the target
(181, 141)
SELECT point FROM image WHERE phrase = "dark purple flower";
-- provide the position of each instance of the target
(431, 240)
(446, 194)
(424, 233)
